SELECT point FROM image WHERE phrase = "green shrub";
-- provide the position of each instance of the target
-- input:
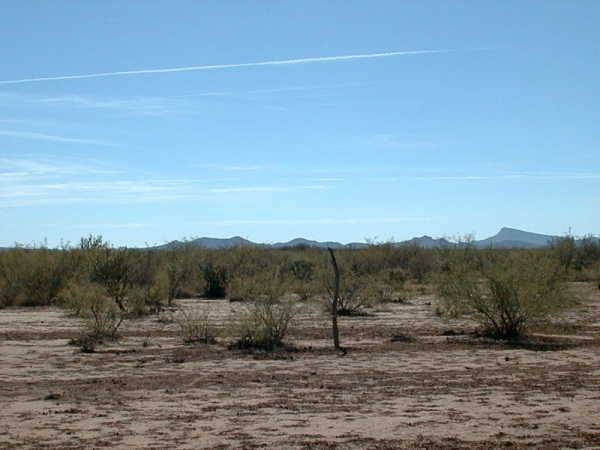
(216, 279)
(76, 296)
(305, 290)
(178, 269)
(250, 287)
(48, 272)
(139, 302)
(33, 277)
(388, 286)
(12, 269)
(86, 342)
(588, 252)
(264, 323)
(506, 298)
(564, 250)
(102, 317)
(195, 325)
(265, 319)
(356, 292)
(301, 270)
(111, 269)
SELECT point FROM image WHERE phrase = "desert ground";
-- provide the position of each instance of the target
(445, 388)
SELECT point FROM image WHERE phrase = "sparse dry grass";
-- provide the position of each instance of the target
(408, 379)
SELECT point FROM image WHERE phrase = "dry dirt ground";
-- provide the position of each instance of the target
(446, 389)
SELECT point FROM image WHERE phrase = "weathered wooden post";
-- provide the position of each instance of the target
(334, 306)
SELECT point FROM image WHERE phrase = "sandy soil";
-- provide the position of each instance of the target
(446, 389)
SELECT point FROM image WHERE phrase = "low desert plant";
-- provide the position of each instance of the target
(178, 271)
(112, 269)
(421, 264)
(355, 293)
(301, 270)
(505, 298)
(389, 285)
(195, 325)
(267, 315)
(141, 301)
(264, 323)
(86, 342)
(102, 318)
(564, 249)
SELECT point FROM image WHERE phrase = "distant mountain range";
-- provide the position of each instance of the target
(505, 238)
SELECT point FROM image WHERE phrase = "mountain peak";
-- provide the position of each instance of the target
(514, 238)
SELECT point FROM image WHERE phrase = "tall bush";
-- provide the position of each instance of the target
(267, 315)
(506, 298)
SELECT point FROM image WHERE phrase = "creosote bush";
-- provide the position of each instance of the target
(102, 318)
(112, 269)
(506, 298)
(267, 315)
(178, 271)
(33, 277)
(195, 325)
(264, 323)
(357, 292)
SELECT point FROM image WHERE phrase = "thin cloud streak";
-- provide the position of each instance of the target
(145, 106)
(523, 176)
(29, 168)
(267, 189)
(229, 66)
(52, 138)
(240, 168)
(124, 191)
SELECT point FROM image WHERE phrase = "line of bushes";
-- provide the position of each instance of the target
(506, 290)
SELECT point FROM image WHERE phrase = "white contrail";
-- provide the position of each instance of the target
(227, 66)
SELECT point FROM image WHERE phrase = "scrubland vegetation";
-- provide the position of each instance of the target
(505, 291)
(383, 347)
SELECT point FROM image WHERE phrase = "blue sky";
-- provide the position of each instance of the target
(489, 119)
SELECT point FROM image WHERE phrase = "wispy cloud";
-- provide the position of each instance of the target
(148, 106)
(52, 138)
(232, 168)
(159, 106)
(511, 176)
(20, 168)
(231, 66)
(330, 180)
(318, 187)
(31, 193)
